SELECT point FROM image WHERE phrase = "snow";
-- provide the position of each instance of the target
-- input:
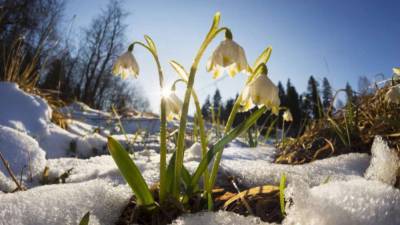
(22, 153)
(22, 111)
(218, 218)
(354, 202)
(32, 115)
(385, 162)
(65, 204)
(194, 152)
(254, 166)
(103, 167)
(6, 184)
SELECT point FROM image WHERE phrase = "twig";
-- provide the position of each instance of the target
(10, 172)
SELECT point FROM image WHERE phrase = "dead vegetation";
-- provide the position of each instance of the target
(350, 129)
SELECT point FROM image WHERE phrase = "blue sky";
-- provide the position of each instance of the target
(341, 40)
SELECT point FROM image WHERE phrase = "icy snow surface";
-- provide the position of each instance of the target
(65, 204)
(254, 166)
(354, 202)
(384, 163)
(218, 218)
(103, 167)
(22, 153)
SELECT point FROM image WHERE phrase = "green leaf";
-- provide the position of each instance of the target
(263, 58)
(85, 219)
(215, 23)
(130, 172)
(150, 43)
(180, 70)
(222, 142)
(282, 186)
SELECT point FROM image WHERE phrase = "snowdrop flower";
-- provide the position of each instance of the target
(173, 105)
(126, 65)
(261, 91)
(287, 116)
(393, 95)
(396, 72)
(228, 55)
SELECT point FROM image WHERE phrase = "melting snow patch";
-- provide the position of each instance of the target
(217, 218)
(22, 153)
(103, 167)
(354, 202)
(384, 163)
(254, 166)
(65, 204)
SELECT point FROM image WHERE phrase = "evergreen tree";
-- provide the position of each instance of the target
(205, 109)
(349, 94)
(327, 95)
(282, 94)
(217, 104)
(293, 103)
(313, 100)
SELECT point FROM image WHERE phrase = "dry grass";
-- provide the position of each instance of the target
(24, 70)
(351, 129)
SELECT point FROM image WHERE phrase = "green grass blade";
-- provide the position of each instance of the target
(282, 186)
(130, 172)
(221, 143)
(263, 58)
(85, 219)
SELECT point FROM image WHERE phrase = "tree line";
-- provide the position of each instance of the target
(74, 63)
(317, 101)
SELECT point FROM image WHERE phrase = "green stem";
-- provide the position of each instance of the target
(228, 127)
(163, 126)
(185, 108)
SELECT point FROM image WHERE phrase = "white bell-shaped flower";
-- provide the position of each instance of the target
(396, 73)
(287, 116)
(173, 105)
(126, 65)
(227, 56)
(393, 95)
(261, 91)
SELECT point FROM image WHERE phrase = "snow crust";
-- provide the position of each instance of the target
(65, 204)
(103, 167)
(22, 153)
(218, 218)
(254, 166)
(385, 163)
(354, 202)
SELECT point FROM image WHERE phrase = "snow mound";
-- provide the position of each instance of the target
(254, 166)
(355, 202)
(21, 108)
(65, 204)
(217, 218)
(6, 184)
(32, 115)
(384, 163)
(194, 152)
(22, 153)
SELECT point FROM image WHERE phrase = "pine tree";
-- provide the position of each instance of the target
(205, 109)
(293, 103)
(349, 94)
(327, 95)
(313, 100)
(282, 94)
